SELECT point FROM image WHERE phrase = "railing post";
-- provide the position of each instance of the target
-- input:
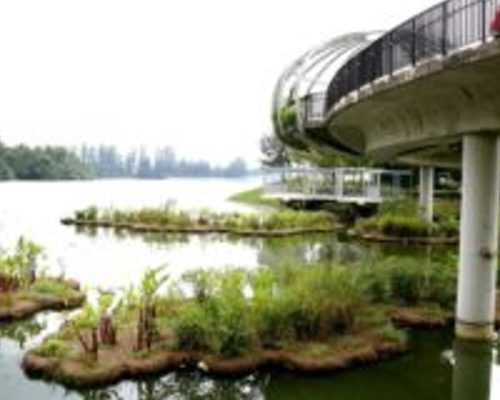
(413, 41)
(306, 109)
(485, 24)
(444, 42)
(391, 51)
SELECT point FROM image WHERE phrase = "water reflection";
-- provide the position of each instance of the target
(304, 249)
(472, 371)
(22, 331)
(183, 386)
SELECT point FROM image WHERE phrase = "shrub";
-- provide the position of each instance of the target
(298, 303)
(405, 286)
(217, 319)
(19, 267)
(377, 285)
(288, 115)
(52, 347)
(391, 334)
(52, 287)
(412, 282)
(400, 219)
(396, 225)
(441, 285)
(193, 330)
(87, 214)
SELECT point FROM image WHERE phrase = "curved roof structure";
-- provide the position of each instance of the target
(309, 76)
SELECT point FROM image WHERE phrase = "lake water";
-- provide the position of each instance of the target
(101, 258)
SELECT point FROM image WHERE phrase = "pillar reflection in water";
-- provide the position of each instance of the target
(472, 371)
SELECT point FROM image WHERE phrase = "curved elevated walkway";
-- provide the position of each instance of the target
(427, 92)
(409, 93)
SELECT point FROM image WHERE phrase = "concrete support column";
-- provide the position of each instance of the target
(478, 237)
(426, 193)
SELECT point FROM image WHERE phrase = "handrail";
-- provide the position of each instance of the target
(436, 32)
(343, 184)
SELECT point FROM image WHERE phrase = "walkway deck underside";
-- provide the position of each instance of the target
(420, 115)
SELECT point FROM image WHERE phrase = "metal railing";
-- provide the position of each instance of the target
(343, 184)
(443, 29)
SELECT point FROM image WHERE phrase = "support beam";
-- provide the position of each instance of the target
(426, 193)
(478, 237)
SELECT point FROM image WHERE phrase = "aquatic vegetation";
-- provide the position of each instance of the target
(221, 310)
(52, 286)
(409, 282)
(52, 348)
(397, 225)
(314, 317)
(85, 326)
(18, 268)
(282, 221)
(147, 330)
(25, 289)
(399, 220)
(22, 331)
(87, 214)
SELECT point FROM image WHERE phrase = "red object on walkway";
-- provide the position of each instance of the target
(495, 25)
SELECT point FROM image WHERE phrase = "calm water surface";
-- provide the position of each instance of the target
(437, 369)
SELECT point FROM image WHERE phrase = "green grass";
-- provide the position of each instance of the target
(254, 197)
(389, 333)
(52, 287)
(317, 350)
(52, 348)
(400, 219)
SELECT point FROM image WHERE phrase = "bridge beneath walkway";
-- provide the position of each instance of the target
(345, 185)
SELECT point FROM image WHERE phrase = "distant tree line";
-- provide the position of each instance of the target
(108, 162)
(40, 163)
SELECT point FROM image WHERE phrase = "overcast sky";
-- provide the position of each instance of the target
(194, 74)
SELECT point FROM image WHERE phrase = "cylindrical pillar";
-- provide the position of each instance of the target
(426, 193)
(478, 237)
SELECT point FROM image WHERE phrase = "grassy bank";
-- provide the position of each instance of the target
(310, 319)
(25, 290)
(255, 197)
(277, 222)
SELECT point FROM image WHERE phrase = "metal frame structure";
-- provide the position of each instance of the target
(342, 185)
(304, 83)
